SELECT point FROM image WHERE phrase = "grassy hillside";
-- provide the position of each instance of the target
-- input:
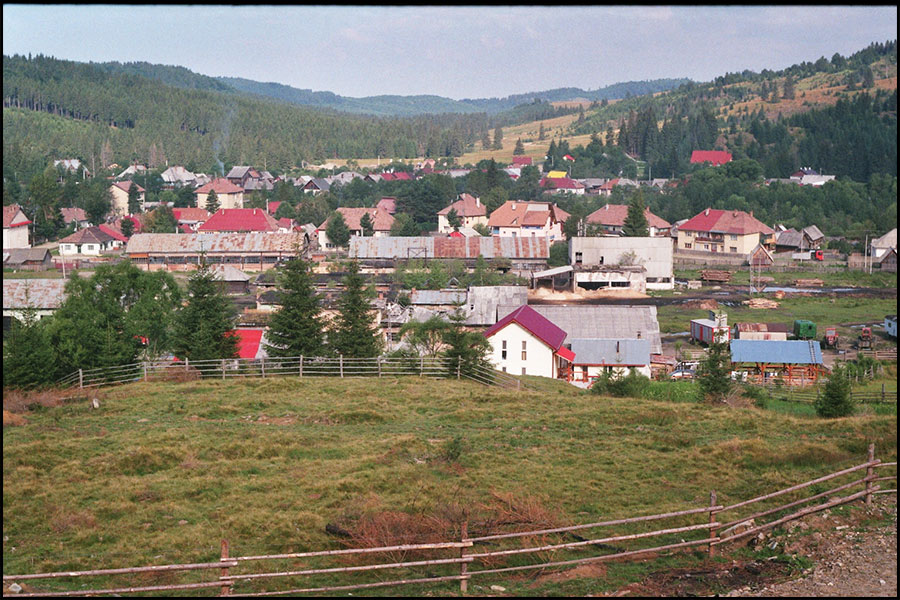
(162, 471)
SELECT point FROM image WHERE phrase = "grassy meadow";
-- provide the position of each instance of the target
(162, 471)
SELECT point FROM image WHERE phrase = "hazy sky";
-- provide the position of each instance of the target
(456, 52)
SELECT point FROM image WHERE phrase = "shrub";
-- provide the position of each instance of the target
(835, 401)
(633, 385)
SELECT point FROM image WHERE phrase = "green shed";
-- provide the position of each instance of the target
(804, 330)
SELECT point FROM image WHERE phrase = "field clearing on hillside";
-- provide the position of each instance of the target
(161, 472)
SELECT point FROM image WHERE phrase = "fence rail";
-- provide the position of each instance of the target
(499, 548)
(310, 366)
(807, 396)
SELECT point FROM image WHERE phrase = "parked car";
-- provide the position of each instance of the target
(682, 374)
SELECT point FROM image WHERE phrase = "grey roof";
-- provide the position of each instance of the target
(36, 293)
(797, 352)
(436, 297)
(813, 233)
(604, 322)
(237, 172)
(790, 237)
(258, 184)
(18, 256)
(193, 243)
(888, 240)
(485, 302)
(389, 247)
(553, 271)
(320, 184)
(610, 352)
(229, 273)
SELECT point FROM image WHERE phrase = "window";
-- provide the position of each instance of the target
(504, 369)
(689, 233)
(523, 355)
(523, 345)
(523, 370)
(706, 246)
(578, 258)
(733, 238)
(687, 246)
(733, 249)
(503, 351)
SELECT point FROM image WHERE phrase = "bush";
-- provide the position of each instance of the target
(633, 385)
(835, 401)
(759, 396)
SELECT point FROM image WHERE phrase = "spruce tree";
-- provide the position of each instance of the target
(519, 149)
(542, 134)
(367, 225)
(353, 334)
(454, 220)
(714, 374)
(486, 140)
(835, 401)
(27, 354)
(296, 328)
(212, 202)
(337, 231)
(134, 199)
(204, 328)
(498, 138)
(636, 221)
(127, 227)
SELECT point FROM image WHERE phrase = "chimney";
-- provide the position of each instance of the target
(706, 212)
(513, 206)
(751, 213)
(477, 201)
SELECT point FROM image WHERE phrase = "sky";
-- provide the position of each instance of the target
(455, 52)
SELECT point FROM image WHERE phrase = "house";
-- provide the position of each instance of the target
(42, 295)
(177, 176)
(382, 222)
(712, 330)
(76, 216)
(27, 259)
(611, 219)
(606, 188)
(526, 343)
(879, 246)
(90, 241)
(253, 251)
(716, 158)
(72, 165)
(524, 254)
(132, 170)
(812, 237)
(761, 331)
(731, 231)
(794, 362)
(115, 233)
(316, 185)
(655, 255)
(808, 176)
(387, 204)
(888, 261)
(119, 191)
(249, 178)
(557, 174)
(596, 357)
(15, 227)
(561, 185)
(890, 325)
(522, 161)
(344, 178)
(239, 220)
(469, 209)
(228, 195)
(527, 219)
(788, 240)
(191, 217)
(231, 279)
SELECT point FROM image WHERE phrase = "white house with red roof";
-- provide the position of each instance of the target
(562, 185)
(91, 241)
(716, 158)
(15, 227)
(470, 210)
(729, 231)
(239, 220)
(528, 219)
(526, 343)
(381, 220)
(611, 218)
(228, 194)
(119, 191)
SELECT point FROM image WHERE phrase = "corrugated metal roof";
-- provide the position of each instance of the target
(193, 243)
(389, 247)
(763, 327)
(36, 293)
(610, 352)
(605, 322)
(553, 271)
(486, 302)
(797, 352)
(447, 297)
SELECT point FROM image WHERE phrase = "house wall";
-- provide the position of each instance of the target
(444, 224)
(539, 358)
(586, 373)
(553, 232)
(225, 200)
(91, 249)
(735, 244)
(654, 254)
(613, 279)
(16, 237)
(704, 333)
(762, 335)
(120, 200)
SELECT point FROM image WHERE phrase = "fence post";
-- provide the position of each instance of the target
(713, 531)
(145, 371)
(421, 366)
(341, 363)
(80, 378)
(870, 471)
(378, 360)
(262, 365)
(186, 359)
(458, 365)
(882, 392)
(464, 566)
(223, 369)
(301, 366)
(226, 588)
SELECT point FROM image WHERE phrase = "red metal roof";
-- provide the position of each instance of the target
(115, 233)
(273, 206)
(725, 221)
(190, 214)
(540, 326)
(240, 219)
(613, 215)
(716, 157)
(521, 161)
(221, 186)
(9, 216)
(566, 354)
(248, 342)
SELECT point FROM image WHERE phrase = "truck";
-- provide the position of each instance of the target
(865, 341)
(809, 255)
(832, 340)
(804, 330)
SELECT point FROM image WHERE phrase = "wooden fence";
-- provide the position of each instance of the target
(809, 396)
(434, 367)
(489, 553)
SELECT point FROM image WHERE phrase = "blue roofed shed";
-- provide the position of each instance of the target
(765, 361)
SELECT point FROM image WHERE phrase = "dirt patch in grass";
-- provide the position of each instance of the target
(21, 401)
(64, 519)
(704, 581)
(588, 571)
(13, 420)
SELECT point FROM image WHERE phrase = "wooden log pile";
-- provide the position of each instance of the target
(760, 303)
(809, 283)
(716, 276)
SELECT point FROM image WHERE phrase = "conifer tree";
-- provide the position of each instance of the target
(204, 328)
(465, 350)
(454, 220)
(296, 328)
(367, 225)
(835, 400)
(519, 149)
(498, 138)
(353, 334)
(542, 134)
(636, 221)
(337, 231)
(134, 199)
(27, 354)
(127, 227)
(212, 202)
(714, 374)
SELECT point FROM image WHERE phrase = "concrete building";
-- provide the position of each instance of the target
(594, 254)
(254, 251)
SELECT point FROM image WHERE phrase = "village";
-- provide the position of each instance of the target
(594, 315)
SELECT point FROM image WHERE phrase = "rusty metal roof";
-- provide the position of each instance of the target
(35, 293)
(763, 327)
(449, 247)
(213, 243)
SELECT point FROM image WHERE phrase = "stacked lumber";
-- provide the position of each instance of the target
(764, 279)
(716, 276)
(809, 283)
(760, 303)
